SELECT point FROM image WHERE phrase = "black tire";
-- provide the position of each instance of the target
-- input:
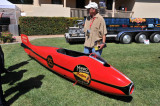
(67, 41)
(140, 37)
(126, 38)
(155, 37)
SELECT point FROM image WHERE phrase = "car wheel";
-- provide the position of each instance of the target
(155, 37)
(140, 37)
(126, 38)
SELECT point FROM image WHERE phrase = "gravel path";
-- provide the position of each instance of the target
(18, 38)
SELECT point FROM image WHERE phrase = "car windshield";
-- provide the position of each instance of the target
(99, 59)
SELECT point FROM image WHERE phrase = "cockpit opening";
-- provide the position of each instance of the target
(71, 53)
(99, 59)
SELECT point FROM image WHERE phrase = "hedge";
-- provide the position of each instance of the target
(46, 25)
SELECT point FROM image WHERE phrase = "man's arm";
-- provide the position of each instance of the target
(103, 42)
(104, 33)
(104, 38)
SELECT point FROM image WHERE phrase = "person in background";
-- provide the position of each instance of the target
(95, 30)
(2, 69)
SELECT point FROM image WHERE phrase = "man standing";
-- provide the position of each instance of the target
(2, 69)
(95, 30)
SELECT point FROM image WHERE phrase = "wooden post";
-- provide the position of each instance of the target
(64, 3)
(113, 8)
(36, 3)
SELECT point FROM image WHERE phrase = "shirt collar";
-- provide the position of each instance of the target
(96, 15)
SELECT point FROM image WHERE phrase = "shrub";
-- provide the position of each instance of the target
(6, 37)
(45, 25)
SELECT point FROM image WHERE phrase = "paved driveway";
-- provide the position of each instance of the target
(18, 38)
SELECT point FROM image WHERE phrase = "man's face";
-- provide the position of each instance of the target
(91, 11)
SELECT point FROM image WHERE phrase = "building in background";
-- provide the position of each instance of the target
(75, 8)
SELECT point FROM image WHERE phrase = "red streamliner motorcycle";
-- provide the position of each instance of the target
(87, 69)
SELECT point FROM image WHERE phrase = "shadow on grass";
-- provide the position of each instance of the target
(12, 76)
(16, 66)
(117, 97)
(23, 87)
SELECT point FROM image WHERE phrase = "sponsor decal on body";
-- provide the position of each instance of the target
(82, 74)
(24, 39)
(50, 61)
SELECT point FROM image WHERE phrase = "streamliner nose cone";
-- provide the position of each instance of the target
(128, 90)
(131, 89)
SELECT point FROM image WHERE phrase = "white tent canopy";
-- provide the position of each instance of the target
(6, 4)
(11, 11)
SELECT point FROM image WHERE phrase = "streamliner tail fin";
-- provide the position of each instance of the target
(25, 40)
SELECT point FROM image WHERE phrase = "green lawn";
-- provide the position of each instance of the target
(31, 84)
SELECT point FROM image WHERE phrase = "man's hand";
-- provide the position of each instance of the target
(101, 46)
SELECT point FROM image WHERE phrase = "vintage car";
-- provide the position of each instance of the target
(87, 69)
